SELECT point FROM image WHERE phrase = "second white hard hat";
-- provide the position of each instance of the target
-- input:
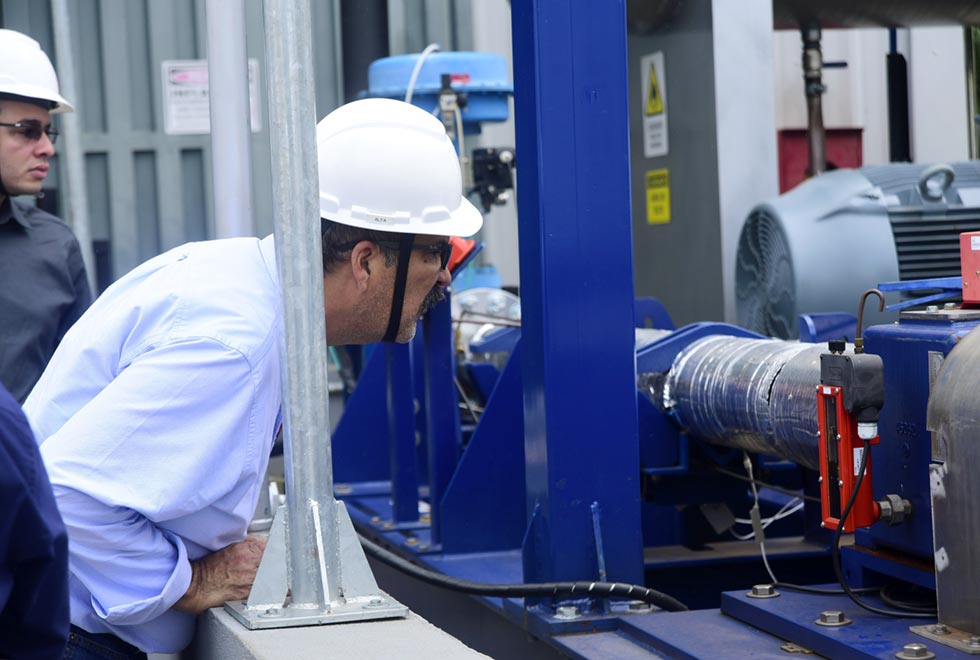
(26, 71)
(388, 165)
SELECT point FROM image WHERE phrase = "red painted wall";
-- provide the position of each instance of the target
(843, 150)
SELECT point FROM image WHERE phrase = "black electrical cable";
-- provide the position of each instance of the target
(546, 589)
(778, 489)
(821, 591)
(835, 550)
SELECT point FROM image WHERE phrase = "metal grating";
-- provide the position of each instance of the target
(928, 243)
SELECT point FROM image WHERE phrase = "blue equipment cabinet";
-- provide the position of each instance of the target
(913, 351)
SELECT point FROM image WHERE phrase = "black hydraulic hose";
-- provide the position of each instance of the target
(546, 589)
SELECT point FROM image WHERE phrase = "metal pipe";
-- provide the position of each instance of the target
(306, 426)
(812, 72)
(792, 14)
(231, 138)
(899, 141)
(76, 206)
(753, 394)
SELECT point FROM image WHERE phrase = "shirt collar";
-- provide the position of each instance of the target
(267, 246)
(10, 210)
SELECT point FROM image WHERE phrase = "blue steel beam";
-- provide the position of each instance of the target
(401, 433)
(572, 125)
(442, 412)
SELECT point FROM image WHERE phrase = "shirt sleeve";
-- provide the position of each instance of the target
(162, 456)
(33, 548)
(83, 295)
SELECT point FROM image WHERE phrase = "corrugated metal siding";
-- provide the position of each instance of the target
(148, 191)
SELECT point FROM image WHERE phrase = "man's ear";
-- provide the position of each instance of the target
(360, 262)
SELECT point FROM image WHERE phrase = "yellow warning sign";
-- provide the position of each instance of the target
(655, 100)
(658, 197)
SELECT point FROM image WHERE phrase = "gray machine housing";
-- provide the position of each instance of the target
(817, 247)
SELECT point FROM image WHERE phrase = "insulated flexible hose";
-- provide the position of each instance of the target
(545, 589)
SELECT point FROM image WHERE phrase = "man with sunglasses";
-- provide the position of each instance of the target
(45, 289)
(157, 413)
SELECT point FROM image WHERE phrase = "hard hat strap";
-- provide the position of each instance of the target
(401, 278)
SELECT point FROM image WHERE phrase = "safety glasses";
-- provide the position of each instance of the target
(32, 129)
(442, 249)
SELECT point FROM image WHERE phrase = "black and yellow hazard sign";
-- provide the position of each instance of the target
(658, 196)
(655, 100)
(653, 104)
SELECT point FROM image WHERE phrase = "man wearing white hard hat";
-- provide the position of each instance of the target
(157, 413)
(45, 289)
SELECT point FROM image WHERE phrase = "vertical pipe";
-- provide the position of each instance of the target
(812, 73)
(76, 208)
(231, 138)
(365, 39)
(306, 424)
(899, 149)
(969, 35)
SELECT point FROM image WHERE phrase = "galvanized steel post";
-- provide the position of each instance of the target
(311, 508)
(76, 208)
(231, 148)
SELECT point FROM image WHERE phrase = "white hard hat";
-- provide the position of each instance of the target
(26, 71)
(387, 165)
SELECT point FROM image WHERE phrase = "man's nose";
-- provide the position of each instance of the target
(445, 277)
(44, 147)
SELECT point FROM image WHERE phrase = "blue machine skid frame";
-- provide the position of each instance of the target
(547, 485)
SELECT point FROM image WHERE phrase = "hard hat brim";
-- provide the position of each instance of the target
(465, 220)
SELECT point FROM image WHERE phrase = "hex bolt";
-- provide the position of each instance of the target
(271, 612)
(763, 591)
(975, 641)
(915, 650)
(932, 308)
(939, 629)
(832, 618)
(949, 306)
(566, 612)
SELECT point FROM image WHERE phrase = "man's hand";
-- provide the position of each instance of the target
(226, 575)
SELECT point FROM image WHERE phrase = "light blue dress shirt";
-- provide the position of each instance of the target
(155, 417)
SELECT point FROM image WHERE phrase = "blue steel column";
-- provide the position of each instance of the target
(401, 434)
(571, 105)
(442, 411)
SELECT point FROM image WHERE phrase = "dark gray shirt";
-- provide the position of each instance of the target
(43, 291)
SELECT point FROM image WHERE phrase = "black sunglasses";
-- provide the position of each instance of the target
(32, 129)
(444, 249)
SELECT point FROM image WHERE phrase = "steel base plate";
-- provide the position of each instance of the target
(371, 608)
(954, 638)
